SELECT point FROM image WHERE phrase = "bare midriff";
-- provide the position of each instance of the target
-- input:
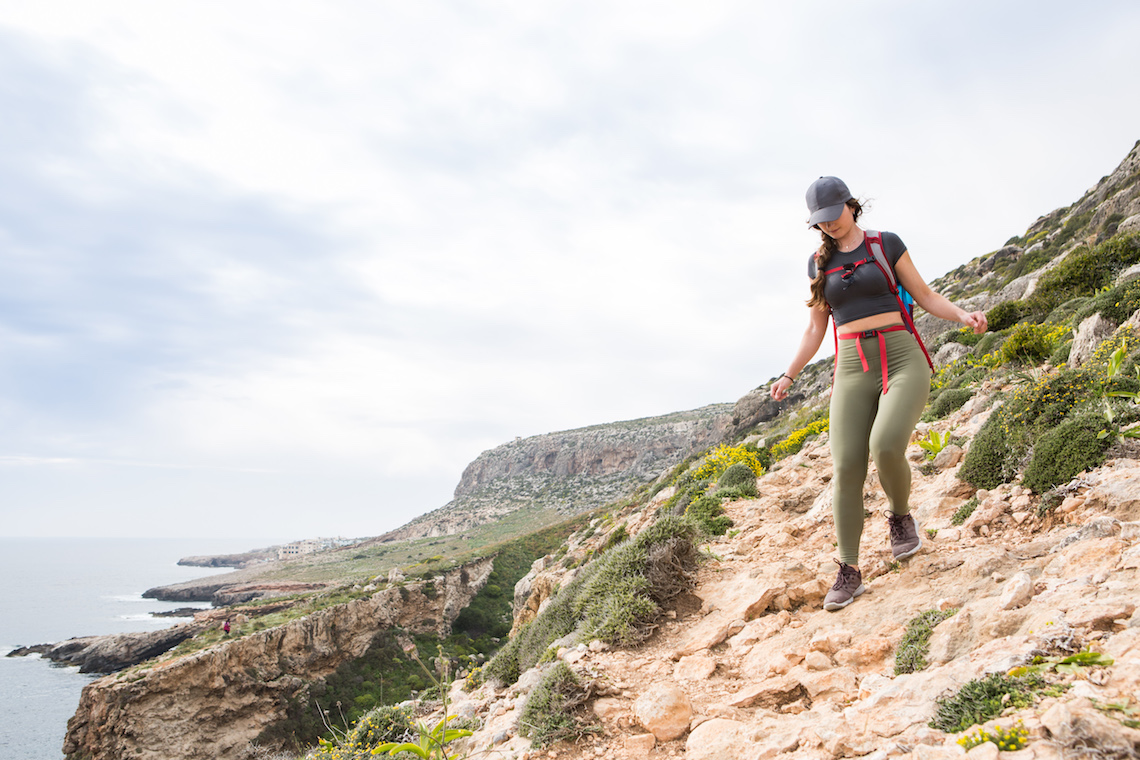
(873, 322)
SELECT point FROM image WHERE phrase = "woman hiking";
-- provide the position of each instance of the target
(882, 373)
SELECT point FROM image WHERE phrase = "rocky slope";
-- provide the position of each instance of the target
(210, 704)
(571, 471)
(750, 666)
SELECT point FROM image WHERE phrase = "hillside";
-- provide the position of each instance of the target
(685, 620)
(1024, 590)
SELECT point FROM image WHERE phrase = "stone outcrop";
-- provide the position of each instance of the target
(571, 471)
(114, 652)
(239, 561)
(231, 588)
(210, 704)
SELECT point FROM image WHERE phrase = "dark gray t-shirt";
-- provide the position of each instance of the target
(863, 292)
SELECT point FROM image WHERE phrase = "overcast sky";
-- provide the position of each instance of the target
(282, 269)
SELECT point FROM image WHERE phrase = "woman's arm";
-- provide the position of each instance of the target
(932, 302)
(809, 344)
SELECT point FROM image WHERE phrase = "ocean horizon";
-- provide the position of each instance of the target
(61, 588)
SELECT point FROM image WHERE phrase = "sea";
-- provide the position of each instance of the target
(53, 589)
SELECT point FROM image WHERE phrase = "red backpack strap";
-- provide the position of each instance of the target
(875, 243)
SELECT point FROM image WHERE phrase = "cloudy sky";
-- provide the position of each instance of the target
(282, 269)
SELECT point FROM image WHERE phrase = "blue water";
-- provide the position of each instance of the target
(53, 589)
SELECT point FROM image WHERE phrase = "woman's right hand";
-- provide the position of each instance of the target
(779, 389)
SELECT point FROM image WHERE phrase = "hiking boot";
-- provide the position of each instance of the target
(847, 586)
(906, 539)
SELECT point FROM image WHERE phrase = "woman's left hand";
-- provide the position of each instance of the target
(977, 321)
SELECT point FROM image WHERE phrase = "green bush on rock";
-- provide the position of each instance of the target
(551, 713)
(1066, 451)
(613, 598)
(949, 400)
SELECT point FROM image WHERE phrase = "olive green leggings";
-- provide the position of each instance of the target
(865, 421)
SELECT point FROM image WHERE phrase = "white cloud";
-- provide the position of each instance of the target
(305, 253)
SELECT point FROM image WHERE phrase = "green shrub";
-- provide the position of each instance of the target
(1042, 405)
(985, 698)
(738, 474)
(1084, 271)
(1006, 314)
(1116, 304)
(679, 502)
(1030, 411)
(795, 441)
(1032, 344)
(709, 514)
(551, 713)
(910, 657)
(1066, 451)
(615, 597)
(1071, 311)
(985, 464)
(967, 337)
(746, 491)
(988, 343)
(1060, 354)
(949, 400)
(724, 456)
(383, 724)
(616, 537)
(962, 513)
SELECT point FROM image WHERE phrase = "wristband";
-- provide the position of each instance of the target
(785, 374)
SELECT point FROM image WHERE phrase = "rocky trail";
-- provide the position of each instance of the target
(749, 665)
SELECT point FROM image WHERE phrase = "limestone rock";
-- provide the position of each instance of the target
(664, 710)
(1017, 592)
(718, 739)
(950, 353)
(1090, 334)
(1129, 225)
(770, 694)
(639, 746)
(697, 667)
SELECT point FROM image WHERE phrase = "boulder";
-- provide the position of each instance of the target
(664, 710)
(1090, 333)
(718, 739)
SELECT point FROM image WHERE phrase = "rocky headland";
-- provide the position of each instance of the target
(239, 561)
(210, 704)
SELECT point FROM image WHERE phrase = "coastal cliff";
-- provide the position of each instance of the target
(209, 705)
(570, 471)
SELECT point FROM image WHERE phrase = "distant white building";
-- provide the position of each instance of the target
(311, 545)
(298, 548)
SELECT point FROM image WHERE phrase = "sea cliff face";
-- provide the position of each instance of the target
(210, 704)
(571, 471)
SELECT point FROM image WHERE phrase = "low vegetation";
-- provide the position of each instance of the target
(614, 598)
(554, 710)
(986, 698)
(910, 657)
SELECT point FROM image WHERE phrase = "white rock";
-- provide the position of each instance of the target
(1017, 592)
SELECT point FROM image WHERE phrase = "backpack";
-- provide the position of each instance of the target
(905, 300)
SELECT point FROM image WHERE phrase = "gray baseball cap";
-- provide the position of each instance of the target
(826, 198)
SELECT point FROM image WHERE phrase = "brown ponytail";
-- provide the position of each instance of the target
(823, 257)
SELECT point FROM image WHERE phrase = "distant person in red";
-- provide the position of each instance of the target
(226, 626)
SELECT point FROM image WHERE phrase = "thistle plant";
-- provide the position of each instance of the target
(432, 740)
